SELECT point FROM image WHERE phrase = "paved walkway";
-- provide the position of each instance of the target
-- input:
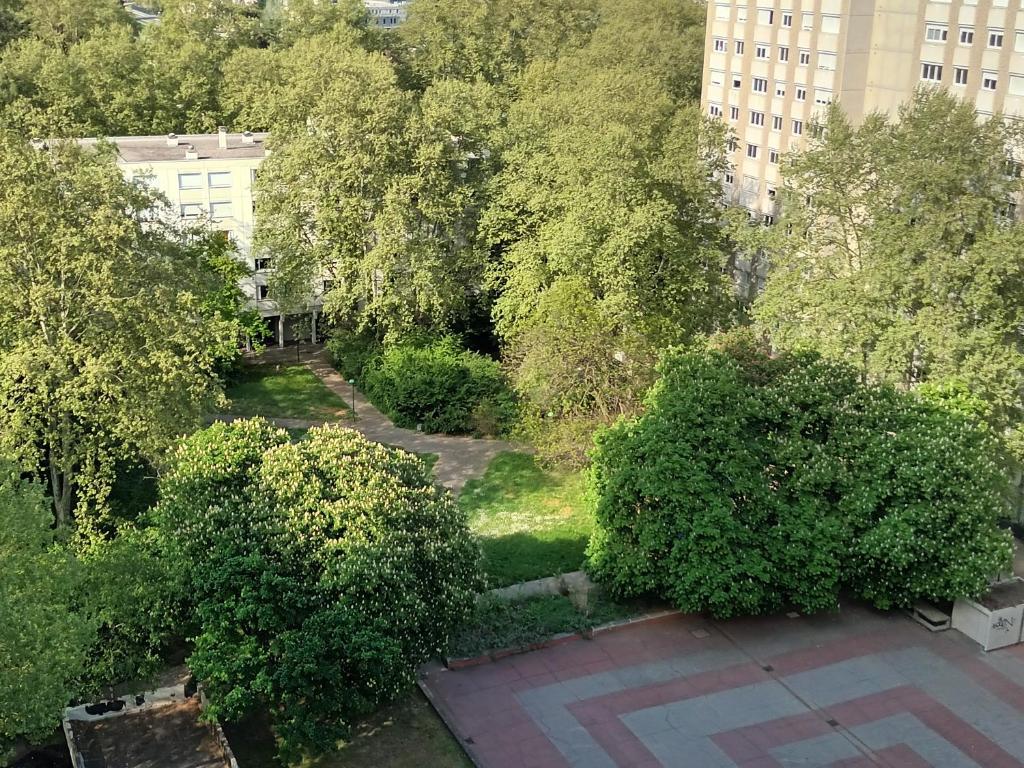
(459, 458)
(857, 688)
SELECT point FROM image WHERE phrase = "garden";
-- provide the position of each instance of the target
(283, 391)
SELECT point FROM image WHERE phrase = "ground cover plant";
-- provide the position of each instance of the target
(532, 522)
(283, 391)
(754, 483)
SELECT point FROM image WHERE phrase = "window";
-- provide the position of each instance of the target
(989, 81)
(783, 53)
(722, 12)
(960, 75)
(933, 33)
(995, 38)
(773, 156)
(262, 292)
(729, 177)
(798, 127)
(1018, 42)
(801, 93)
(714, 110)
(734, 113)
(1013, 169)
(720, 45)
(262, 263)
(807, 21)
(756, 118)
(760, 85)
(1008, 211)
(787, 19)
(733, 146)
(1016, 87)
(190, 180)
(253, 173)
(826, 60)
(966, 35)
(717, 77)
(780, 89)
(219, 178)
(765, 16)
(776, 122)
(220, 210)
(741, 13)
(761, 51)
(191, 210)
(805, 58)
(822, 97)
(768, 219)
(752, 150)
(737, 82)
(931, 72)
(739, 47)
(144, 179)
(830, 25)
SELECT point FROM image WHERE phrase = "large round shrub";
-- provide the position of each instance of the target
(322, 572)
(440, 386)
(753, 483)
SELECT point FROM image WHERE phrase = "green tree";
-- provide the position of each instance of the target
(372, 189)
(106, 351)
(43, 638)
(752, 483)
(894, 255)
(322, 572)
(489, 39)
(633, 221)
(62, 23)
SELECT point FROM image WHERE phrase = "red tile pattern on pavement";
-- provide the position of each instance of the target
(627, 698)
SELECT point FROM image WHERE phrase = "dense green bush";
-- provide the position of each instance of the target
(322, 572)
(754, 483)
(441, 386)
(351, 352)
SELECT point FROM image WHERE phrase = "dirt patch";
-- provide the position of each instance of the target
(1005, 594)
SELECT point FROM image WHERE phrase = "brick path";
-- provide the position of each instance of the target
(853, 689)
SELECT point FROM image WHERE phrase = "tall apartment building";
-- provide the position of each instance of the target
(770, 66)
(209, 178)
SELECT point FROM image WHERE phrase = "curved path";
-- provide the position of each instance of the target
(459, 458)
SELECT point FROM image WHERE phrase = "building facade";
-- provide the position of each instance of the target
(209, 178)
(771, 66)
(387, 14)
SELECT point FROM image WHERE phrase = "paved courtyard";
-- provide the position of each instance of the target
(853, 689)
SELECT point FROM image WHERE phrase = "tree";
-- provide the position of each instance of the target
(893, 253)
(626, 233)
(372, 189)
(322, 572)
(487, 39)
(43, 638)
(62, 23)
(106, 348)
(753, 483)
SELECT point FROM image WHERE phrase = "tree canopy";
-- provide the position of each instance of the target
(321, 572)
(898, 251)
(108, 349)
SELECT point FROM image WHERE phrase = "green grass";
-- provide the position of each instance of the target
(532, 522)
(284, 391)
(405, 734)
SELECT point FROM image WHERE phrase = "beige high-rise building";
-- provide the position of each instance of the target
(770, 66)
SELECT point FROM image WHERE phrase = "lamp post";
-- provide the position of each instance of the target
(352, 383)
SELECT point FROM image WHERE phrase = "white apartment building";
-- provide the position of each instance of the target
(209, 178)
(387, 14)
(770, 66)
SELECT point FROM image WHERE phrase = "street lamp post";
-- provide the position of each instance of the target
(352, 383)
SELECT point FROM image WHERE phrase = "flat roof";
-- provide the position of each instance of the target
(154, 149)
(163, 736)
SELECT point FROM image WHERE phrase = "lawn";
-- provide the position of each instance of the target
(406, 734)
(532, 522)
(283, 391)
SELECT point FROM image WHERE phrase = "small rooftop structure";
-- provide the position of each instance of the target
(159, 729)
(172, 147)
